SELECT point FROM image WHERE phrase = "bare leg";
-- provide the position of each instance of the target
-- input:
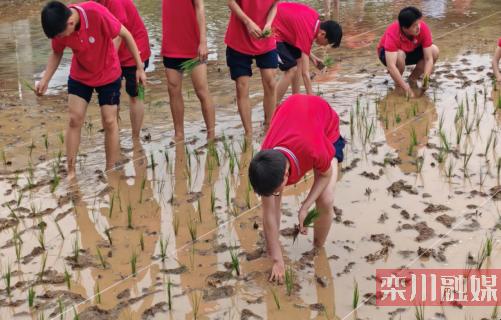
(243, 103)
(111, 140)
(419, 69)
(77, 107)
(284, 83)
(175, 86)
(296, 82)
(325, 205)
(201, 86)
(270, 93)
(136, 112)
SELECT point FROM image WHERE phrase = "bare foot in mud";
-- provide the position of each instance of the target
(72, 177)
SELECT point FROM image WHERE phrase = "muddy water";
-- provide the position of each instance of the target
(188, 192)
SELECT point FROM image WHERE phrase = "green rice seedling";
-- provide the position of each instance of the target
(75, 314)
(67, 279)
(275, 298)
(102, 260)
(214, 154)
(419, 312)
(482, 177)
(426, 81)
(444, 141)
(199, 211)
(18, 248)
(76, 249)
(450, 169)
(189, 65)
(61, 137)
(31, 147)
(212, 201)
(140, 91)
(488, 145)
(247, 195)
(61, 308)
(41, 238)
(54, 182)
(466, 160)
(196, 298)
(488, 245)
(244, 145)
(498, 168)
(312, 215)
(119, 198)
(3, 157)
(192, 229)
(231, 163)
(141, 242)
(415, 109)
(169, 293)
(129, 216)
(482, 254)
(175, 224)
(19, 198)
(459, 134)
(97, 293)
(226, 146)
(356, 295)
(398, 119)
(108, 235)
(12, 212)
(143, 184)
(112, 204)
(133, 264)
(152, 161)
(266, 33)
(166, 156)
(27, 85)
(227, 190)
(31, 297)
(43, 265)
(419, 164)
(235, 262)
(352, 123)
(441, 122)
(46, 142)
(7, 277)
(328, 62)
(163, 249)
(289, 280)
(441, 156)
(494, 314)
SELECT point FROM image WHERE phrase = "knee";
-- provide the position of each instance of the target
(326, 200)
(76, 121)
(242, 88)
(436, 52)
(110, 122)
(174, 87)
(202, 92)
(269, 84)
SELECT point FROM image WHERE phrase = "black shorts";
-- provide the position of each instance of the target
(129, 74)
(241, 64)
(175, 63)
(339, 147)
(287, 55)
(108, 94)
(410, 57)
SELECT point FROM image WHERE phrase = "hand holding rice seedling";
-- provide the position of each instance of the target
(312, 215)
(140, 91)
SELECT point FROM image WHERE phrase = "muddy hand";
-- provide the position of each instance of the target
(41, 87)
(141, 76)
(301, 216)
(277, 272)
(203, 52)
(254, 30)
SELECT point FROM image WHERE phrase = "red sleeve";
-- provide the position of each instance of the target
(323, 157)
(426, 38)
(57, 46)
(499, 42)
(391, 40)
(118, 10)
(110, 24)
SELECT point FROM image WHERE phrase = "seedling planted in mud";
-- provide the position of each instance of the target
(192, 228)
(108, 235)
(7, 279)
(419, 312)
(169, 293)
(129, 216)
(419, 164)
(466, 160)
(494, 314)
(152, 161)
(196, 298)
(189, 65)
(67, 279)
(112, 204)
(289, 280)
(41, 238)
(56, 179)
(101, 258)
(31, 297)
(143, 184)
(235, 262)
(76, 249)
(133, 264)
(247, 195)
(175, 224)
(275, 298)
(312, 215)
(97, 293)
(227, 190)
(43, 265)
(163, 249)
(18, 244)
(212, 201)
(141, 241)
(356, 295)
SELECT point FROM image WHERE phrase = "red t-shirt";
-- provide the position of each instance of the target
(238, 38)
(126, 12)
(394, 39)
(180, 32)
(304, 129)
(499, 42)
(296, 24)
(95, 60)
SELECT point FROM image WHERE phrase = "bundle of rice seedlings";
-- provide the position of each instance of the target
(312, 215)
(189, 65)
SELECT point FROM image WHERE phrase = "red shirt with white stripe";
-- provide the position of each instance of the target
(95, 60)
(394, 39)
(126, 12)
(296, 24)
(238, 38)
(304, 129)
(180, 32)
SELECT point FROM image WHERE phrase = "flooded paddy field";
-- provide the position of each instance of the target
(175, 232)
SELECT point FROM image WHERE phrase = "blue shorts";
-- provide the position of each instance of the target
(410, 57)
(174, 63)
(129, 74)
(241, 64)
(287, 55)
(109, 94)
(339, 147)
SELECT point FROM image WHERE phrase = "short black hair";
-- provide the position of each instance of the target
(333, 32)
(266, 171)
(408, 16)
(55, 15)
